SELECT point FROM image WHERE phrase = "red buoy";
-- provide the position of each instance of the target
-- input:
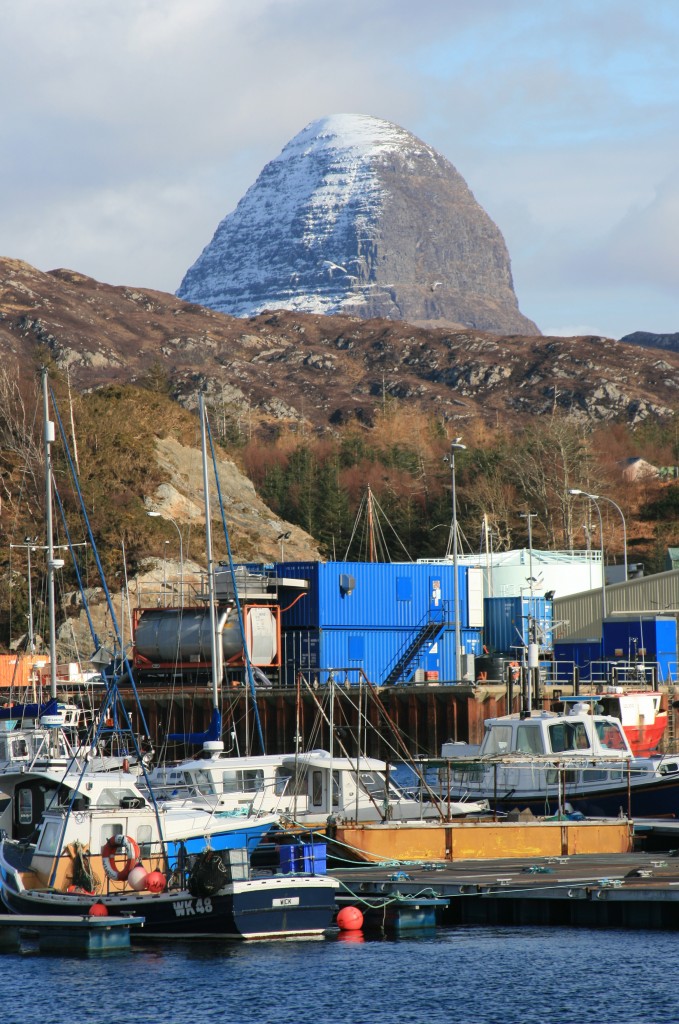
(98, 910)
(156, 881)
(350, 919)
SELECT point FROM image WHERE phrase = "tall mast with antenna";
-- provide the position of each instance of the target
(215, 639)
(48, 434)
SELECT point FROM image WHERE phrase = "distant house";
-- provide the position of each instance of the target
(634, 469)
(672, 559)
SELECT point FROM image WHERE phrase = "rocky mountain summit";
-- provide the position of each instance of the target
(359, 217)
(320, 370)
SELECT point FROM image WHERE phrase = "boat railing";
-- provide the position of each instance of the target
(603, 672)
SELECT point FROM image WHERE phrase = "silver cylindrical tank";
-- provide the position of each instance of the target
(182, 635)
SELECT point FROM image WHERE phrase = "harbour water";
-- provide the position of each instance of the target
(453, 976)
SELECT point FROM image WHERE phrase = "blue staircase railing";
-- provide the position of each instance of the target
(428, 629)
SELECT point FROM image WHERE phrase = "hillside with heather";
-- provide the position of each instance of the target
(309, 410)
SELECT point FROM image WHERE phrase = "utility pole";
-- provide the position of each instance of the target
(533, 659)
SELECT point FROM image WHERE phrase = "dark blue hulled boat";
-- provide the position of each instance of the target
(557, 763)
(219, 897)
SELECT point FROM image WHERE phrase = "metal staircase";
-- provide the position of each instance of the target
(426, 632)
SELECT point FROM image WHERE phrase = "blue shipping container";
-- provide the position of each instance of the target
(585, 655)
(387, 595)
(375, 652)
(644, 639)
(507, 623)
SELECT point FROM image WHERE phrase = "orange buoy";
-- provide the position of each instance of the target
(350, 919)
(98, 910)
(156, 881)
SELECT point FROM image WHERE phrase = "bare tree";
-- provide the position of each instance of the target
(551, 456)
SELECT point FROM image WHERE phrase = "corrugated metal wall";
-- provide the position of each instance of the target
(580, 615)
(389, 595)
(507, 620)
(373, 651)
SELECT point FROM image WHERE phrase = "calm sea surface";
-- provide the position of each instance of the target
(453, 976)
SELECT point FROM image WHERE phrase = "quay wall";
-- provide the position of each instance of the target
(385, 722)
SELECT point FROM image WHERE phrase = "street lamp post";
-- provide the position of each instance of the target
(602, 497)
(31, 544)
(160, 515)
(594, 498)
(456, 446)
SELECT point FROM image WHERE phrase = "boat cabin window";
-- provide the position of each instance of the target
(253, 780)
(249, 781)
(317, 788)
(599, 775)
(374, 784)
(529, 739)
(610, 735)
(18, 748)
(115, 797)
(3, 748)
(144, 837)
(202, 780)
(562, 776)
(568, 736)
(498, 740)
(49, 837)
(281, 780)
(298, 784)
(63, 796)
(106, 831)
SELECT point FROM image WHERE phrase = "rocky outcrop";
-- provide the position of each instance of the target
(358, 216)
(318, 370)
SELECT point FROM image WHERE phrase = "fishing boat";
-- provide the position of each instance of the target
(550, 762)
(182, 865)
(306, 788)
(640, 711)
(180, 894)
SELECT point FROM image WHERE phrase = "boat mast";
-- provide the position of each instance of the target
(215, 636)
(371, 527)
(48, 434)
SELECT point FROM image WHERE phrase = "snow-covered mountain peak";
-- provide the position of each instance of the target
(357, 215)
(357, 136)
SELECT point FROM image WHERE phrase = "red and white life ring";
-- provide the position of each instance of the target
(514, 671)
(113, 846)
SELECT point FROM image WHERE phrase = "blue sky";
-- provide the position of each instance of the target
(131, 127)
